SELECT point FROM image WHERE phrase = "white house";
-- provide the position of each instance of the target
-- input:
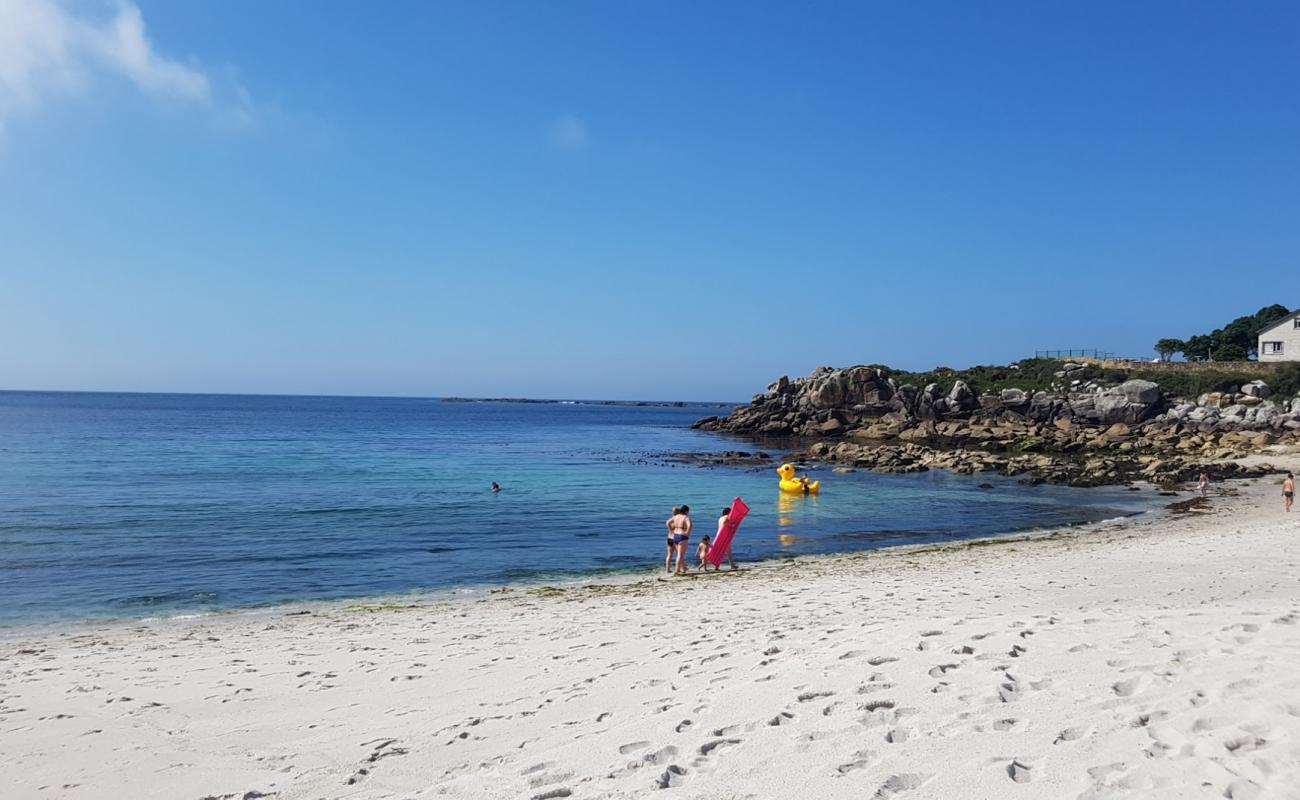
(1282, 341)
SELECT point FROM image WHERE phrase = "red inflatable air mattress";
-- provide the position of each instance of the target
(718, 550)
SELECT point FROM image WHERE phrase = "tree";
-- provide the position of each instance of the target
(1265, 318)
(1240, 335)
(1168, 347)
(1230, 352)
(1198, 347)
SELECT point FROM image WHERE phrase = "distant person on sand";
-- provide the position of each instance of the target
(1288, 490)
(679, 533)
(1203, 486)
(722, 523)
(496, 488)
(700, 553)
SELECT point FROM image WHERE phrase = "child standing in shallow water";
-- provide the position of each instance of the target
(700, 553)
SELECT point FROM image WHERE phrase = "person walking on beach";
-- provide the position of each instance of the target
(1203, 485)
(722, 523)
(679, 534)
(1288, 490)
(701, 554)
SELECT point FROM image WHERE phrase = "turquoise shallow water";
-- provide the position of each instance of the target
(119, 505)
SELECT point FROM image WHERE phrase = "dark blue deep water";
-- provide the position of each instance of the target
(133, 505)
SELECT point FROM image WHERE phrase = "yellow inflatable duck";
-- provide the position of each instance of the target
(789, 483)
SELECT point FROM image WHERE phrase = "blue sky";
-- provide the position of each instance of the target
(628, 200)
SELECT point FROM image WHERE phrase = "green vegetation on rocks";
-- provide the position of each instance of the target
(1032, 375)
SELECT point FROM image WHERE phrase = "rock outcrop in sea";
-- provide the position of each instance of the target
(1082, 432)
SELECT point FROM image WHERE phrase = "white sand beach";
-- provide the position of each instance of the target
(1152, 659)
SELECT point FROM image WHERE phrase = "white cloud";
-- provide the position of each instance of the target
(567, 134)
(46, 50)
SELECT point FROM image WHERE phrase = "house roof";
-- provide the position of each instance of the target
(1279, 323)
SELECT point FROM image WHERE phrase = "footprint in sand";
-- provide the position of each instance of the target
(684, 725)
(1020, 771)
(1242, 789)
(1130, 687)
(784, 718)
(661, 756)
(896, 785)
(1244, 744)
(672, 776)
(383, 749)
(868, 688)
(358, 776)
(709, 747)
(1071, 734)
(860, 760)
(630, 747)
(1144, 720)
(541, 779)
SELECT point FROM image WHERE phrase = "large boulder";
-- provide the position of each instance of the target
(961, 398)
(826, 393)
(1117, 405)
(1113, 408)
(1256, 389)
(927, 402)
(1139, 391)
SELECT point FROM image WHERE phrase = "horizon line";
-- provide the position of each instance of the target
(452, 397)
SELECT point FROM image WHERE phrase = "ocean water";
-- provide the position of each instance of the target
(135, 505)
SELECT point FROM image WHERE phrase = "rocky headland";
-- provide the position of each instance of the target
(1083, 430)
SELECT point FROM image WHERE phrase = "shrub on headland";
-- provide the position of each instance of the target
(1032, 374)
